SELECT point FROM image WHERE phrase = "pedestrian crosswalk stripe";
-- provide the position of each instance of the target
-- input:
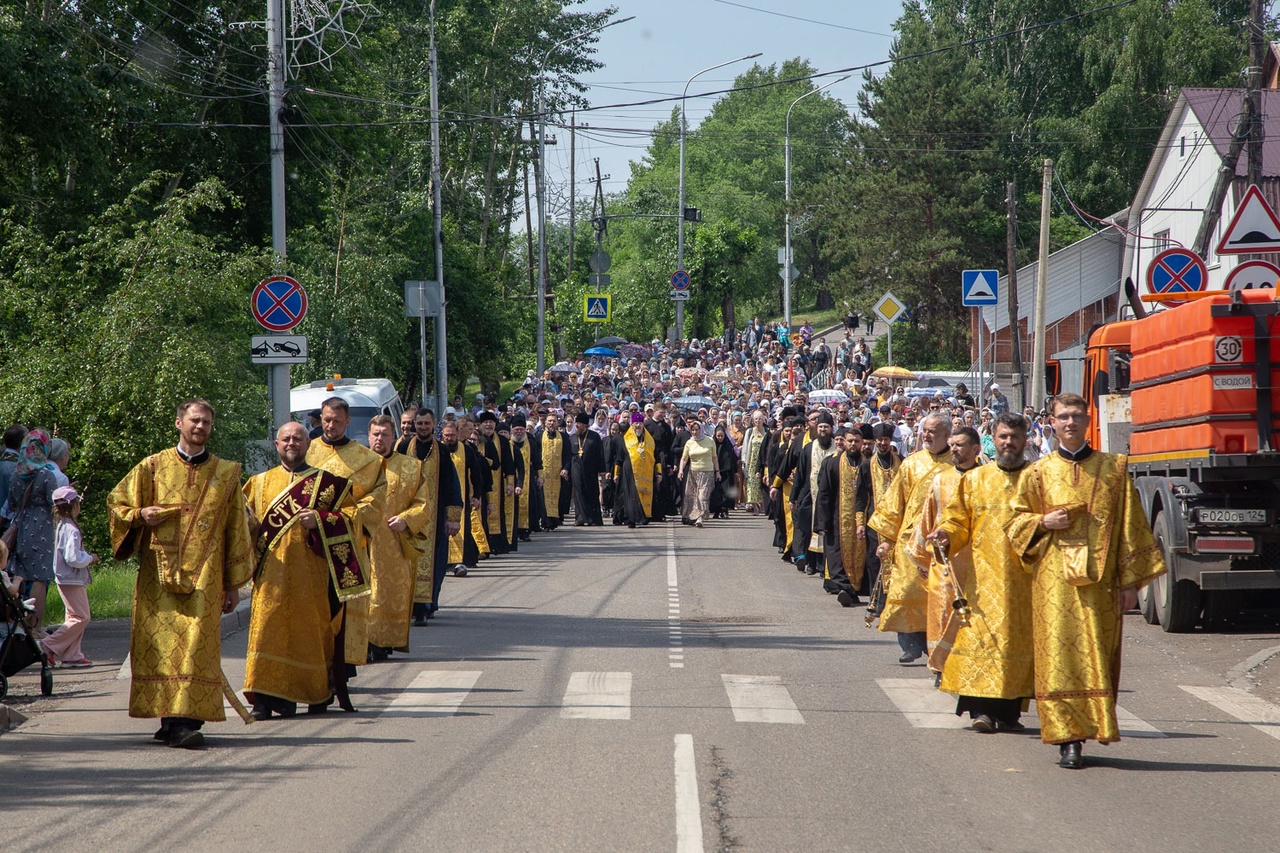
(434, 693)
(926, 707)
(1245, 707)
(760, 699)
(597, 696)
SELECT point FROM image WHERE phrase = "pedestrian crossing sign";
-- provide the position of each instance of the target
(597, 308)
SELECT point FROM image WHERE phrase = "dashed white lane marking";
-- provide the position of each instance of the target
(760, 699)
(688, 810)
(926, 707)
(434, 693)
(1259, 713)
(597, 696)
(675, 654)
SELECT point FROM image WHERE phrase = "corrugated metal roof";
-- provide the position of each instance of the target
(1079, 275)
(1219, 111)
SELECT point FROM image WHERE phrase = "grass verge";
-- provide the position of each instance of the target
(110, 595)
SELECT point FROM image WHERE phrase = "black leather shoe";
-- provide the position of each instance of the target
(908, 657)
(186, 739)
(1071, 755)
(1007, 726)
(260, 711)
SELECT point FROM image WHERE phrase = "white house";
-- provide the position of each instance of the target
(1180, 176)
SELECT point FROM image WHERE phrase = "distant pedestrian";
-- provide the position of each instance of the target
(71, 565)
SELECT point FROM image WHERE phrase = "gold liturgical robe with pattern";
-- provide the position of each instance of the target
(991, 657)
(644, 464)
(1076, 578)
(363, 468)
(394, 556)
(906, 592)
(553, 484)
(943, 583)
(852, 549)
(458, 541)
(291, 628)
(187, 564)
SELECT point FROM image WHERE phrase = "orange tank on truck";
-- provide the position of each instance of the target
(1192, 395)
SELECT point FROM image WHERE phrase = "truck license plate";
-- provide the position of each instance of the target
(1232, 516)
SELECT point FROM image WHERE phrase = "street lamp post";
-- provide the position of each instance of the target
(542, 182)
(680, 213)
(786, 254)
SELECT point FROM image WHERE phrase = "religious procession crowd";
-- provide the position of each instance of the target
(1009, 577)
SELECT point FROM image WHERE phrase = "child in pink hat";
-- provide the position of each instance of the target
(71, 570)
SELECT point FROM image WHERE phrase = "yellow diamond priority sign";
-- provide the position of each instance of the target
(889, 308)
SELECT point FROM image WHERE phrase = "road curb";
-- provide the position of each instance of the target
(1239, 676)
(10, 718)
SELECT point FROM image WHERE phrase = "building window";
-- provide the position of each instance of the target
(1162, 241)
(1182, 146)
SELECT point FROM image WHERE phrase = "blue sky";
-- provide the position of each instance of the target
(670, 40)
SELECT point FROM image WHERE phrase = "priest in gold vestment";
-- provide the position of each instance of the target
(396, 544)
(554, 450)
(336, 453)
(181, 512)
(634, 473)
(293, 510)
(906, 592)
(990, 664)
(941, 620)
(464, 547)
(528, 490)
(1082, 534)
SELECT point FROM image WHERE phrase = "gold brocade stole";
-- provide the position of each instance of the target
(431, 483)
(882, 477)
(552, 448)
(459, 457)
(849, 474)
(525, 464)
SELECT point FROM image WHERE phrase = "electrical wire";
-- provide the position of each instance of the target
(805, 20)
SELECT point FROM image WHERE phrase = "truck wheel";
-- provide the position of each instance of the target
(1221, 608)
(1147, 604)
(1178, 601)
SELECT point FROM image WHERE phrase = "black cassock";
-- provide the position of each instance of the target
(781, 463)
(627, 507)
(727, 463)
(664, 499)
(530, 492)
(496, 454)
(800, 468)
(677, 453)
(586, 464)
(614, 448)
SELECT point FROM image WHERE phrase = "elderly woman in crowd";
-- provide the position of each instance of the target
(699, 470)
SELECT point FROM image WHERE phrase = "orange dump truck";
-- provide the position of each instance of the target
(1192, 394)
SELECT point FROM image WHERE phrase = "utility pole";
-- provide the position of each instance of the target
(442, 359)
(1248, 129)
(1042, 288)
(573, 185)
(1257, 49)
(1011, 261)
(278, 374)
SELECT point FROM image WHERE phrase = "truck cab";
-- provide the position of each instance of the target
(1190, 395)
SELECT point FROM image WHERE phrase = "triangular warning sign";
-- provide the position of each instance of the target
(981, 288)
(1254, 229)
(597, 309)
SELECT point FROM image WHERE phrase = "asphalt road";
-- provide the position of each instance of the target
(655, 689)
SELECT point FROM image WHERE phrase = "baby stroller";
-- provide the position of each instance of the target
(18, 649)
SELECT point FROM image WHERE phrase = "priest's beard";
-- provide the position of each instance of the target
(824, 441)
(1010, 461)
(452, 448)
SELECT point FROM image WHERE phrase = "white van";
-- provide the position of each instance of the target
(365, 397)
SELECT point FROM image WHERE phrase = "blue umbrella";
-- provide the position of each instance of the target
(605, 351)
